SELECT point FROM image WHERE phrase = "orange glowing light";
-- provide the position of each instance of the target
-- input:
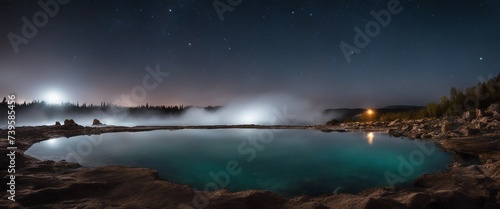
(370, 112)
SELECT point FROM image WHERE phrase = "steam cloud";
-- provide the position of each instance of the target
(270, 109)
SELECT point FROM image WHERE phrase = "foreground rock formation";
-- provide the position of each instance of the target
(470, 123)
(471, 182)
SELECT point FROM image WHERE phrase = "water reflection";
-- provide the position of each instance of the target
(53, 142)
(370, 137)
(292, 163)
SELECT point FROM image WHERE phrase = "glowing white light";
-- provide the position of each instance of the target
(53, 97)
(370, 137)
(52, 142)
(248, 118)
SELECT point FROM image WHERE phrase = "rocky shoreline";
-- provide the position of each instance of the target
(472, 180)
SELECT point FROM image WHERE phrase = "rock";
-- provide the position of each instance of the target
(418, 136)
(484, 120)
(333, 122)
(426, 136)
(424, 126)
(407, 127)
(395, 122)
(70, 123)
(50, 184)
(451, 118)
(493, 125)
(480, 122)
(493, 109)
(326, 130)
(477, 124)
(468, 116)
(469, 131)
(479, 113)
(96, 122)
(57, 123)
(446, 126)
(394, 132)
(419, 121)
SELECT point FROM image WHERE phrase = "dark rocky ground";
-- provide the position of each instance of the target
(472, 180)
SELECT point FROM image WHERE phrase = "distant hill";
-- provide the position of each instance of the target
(401, 107)
(345, 113)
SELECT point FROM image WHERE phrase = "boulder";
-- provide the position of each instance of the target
(57, 123)
(426, 136)
(493, 109)
(96, 122)
(478, 124)
(394, 132)
(469, 131)
(446, 126)
(479, 113)
(70, 123)
(407, 127)
(416, 128)
(333, 122)
(484, 120)
(396, 122)
(424, 126)
(468, 116)
(494, 124)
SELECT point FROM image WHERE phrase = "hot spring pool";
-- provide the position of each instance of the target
(287, 162)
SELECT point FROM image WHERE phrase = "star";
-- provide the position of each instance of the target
(480, 58)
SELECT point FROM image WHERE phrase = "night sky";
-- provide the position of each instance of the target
(93, 51)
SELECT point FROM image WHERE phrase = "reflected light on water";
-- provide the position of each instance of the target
(52, 142)
(370, 137)
(189, 156)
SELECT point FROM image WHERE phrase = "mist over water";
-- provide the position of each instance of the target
(269, 109)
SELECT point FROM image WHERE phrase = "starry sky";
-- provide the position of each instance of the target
(92, 51)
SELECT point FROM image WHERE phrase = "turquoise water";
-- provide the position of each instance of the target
(287, 162)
